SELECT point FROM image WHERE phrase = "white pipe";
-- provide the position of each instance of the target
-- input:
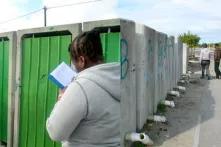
(174, 93)
(186, 75)
(182, 81)
(159, 118)
(169, 103)
(181, 88)
(141, 137)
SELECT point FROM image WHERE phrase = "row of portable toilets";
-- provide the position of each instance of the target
(151, 65)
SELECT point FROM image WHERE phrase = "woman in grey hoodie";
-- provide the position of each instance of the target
(88, 112)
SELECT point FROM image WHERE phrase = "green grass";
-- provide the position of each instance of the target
(161, 108)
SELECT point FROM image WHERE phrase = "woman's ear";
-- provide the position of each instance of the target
(82, 62)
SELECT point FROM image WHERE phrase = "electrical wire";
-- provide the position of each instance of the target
(80, 3)
(33, 12)
(21, 16)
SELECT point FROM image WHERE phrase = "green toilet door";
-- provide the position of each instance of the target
(4, 54)
(40, 55)
(111, 46)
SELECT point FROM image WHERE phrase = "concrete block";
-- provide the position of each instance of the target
(161, 79)
(87, 26)
(185, 59)
(144, 73)
(128, 78)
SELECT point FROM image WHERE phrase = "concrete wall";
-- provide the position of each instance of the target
(185, 59)
(179, 59)
(128, 79)
(162, 68)
(144, 73)
(170, 58)
(157, 62)
(173, 62)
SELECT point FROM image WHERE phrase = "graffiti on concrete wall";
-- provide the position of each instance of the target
(124, 58)
(160, 57)
(169, 51)
(150, 60)
(161, 66)
(151, 53)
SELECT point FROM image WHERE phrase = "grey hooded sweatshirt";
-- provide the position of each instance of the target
(88, 114)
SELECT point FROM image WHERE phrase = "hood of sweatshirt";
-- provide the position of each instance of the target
(107, 76)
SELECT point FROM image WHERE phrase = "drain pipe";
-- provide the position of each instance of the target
(182, 82)
(174, 93)
(186, 76)
(140, 137)
(181, 88)
(168, 103)
(157, 118)
(184, 79)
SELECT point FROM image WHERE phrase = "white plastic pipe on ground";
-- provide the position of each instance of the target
(182, 81)
(185, 77)
(141, 137)
(168, 103)
(157, 118)
(174, 93)
(181, 88)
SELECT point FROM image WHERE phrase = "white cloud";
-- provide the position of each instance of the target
(7, 10)
(96, 10)
(10, 10)
(177, 16)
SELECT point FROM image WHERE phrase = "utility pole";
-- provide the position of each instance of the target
(45, 16)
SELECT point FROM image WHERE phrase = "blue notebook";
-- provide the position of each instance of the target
(62, 75)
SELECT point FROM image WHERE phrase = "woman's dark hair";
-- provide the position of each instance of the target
(87, 44)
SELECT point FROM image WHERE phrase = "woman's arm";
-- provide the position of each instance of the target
(67, 113)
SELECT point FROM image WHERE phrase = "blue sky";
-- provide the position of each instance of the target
(28, 5)
(202, 17)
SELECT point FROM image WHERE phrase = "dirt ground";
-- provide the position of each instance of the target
(197, 107)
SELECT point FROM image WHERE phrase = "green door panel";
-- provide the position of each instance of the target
(4, 60)
(40, 55)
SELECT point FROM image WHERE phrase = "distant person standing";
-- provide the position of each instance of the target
(205, 61)
(217, 57)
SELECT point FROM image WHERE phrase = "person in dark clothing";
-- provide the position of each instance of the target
(217, 57)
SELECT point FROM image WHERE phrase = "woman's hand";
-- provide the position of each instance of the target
(60, 93)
